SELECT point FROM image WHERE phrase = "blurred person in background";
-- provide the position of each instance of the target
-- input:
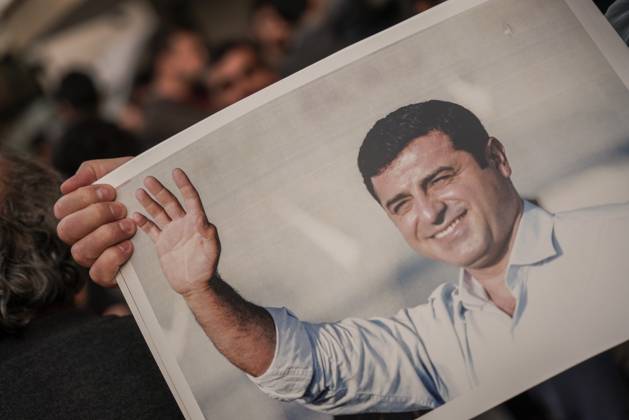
(17, 89)
(173, 99)
(295, 34)
(131, 117)
(86, 135)
(237, 70)
(275, 23)
(618, 16)
(23, 106)
(56, 361)
(420, 6)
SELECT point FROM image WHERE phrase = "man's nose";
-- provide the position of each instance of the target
(430, 211)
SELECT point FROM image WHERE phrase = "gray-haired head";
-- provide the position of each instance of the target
(36, 268)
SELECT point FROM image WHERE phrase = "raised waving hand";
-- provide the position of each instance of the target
(187, 244)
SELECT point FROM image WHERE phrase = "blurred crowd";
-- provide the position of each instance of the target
(181, 78)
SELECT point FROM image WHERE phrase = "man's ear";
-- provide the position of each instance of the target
(496, 157)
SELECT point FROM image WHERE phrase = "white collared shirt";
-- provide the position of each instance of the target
(563, 269)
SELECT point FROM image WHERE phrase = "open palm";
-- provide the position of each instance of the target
(187, 244)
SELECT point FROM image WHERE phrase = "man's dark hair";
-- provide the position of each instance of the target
(88, 139)
(36, 268)
(77, 89)
(290, 10)
(390, 135)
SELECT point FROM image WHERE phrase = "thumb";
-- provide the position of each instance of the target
(206, 229)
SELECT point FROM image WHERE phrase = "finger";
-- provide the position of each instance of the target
(190, 194)
(106, 266)
(153, 208)
(88, 249)
(147, 226)
(83, 197)
(90, 171)
(80, 224)
(164, 197)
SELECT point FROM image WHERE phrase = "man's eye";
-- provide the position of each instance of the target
(441, 179)
(401, 207)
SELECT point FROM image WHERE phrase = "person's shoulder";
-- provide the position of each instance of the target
(593, 228)
(108, 327)
(438, 307)
(443, 294)
(594, 215)
(106, 356)
(125, 368)
(441, 301)
(115, 341)
(435, 318)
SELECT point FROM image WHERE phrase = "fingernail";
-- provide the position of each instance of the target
(118, 210)
(125, 247)
(103, 193)
(63, 184)
(126, 225)
(56, 210)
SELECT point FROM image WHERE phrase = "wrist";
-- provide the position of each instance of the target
(202, 290)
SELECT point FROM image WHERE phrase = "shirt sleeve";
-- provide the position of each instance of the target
(291, 370)
(351, 366)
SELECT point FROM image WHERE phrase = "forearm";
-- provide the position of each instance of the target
(243, 332)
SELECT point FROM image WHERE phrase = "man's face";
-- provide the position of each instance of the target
(447, 207)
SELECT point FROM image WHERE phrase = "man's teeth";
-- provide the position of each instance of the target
(449, 229)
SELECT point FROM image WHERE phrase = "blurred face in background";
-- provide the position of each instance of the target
(238, 74)
(270, 29)
(186, 56)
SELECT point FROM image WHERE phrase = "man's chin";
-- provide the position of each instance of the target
(463, 259)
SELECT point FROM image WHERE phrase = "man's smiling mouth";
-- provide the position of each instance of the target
(450, 228)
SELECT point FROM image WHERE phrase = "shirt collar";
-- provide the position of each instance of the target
(533, 243)
(534, 237)
(470, 293)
